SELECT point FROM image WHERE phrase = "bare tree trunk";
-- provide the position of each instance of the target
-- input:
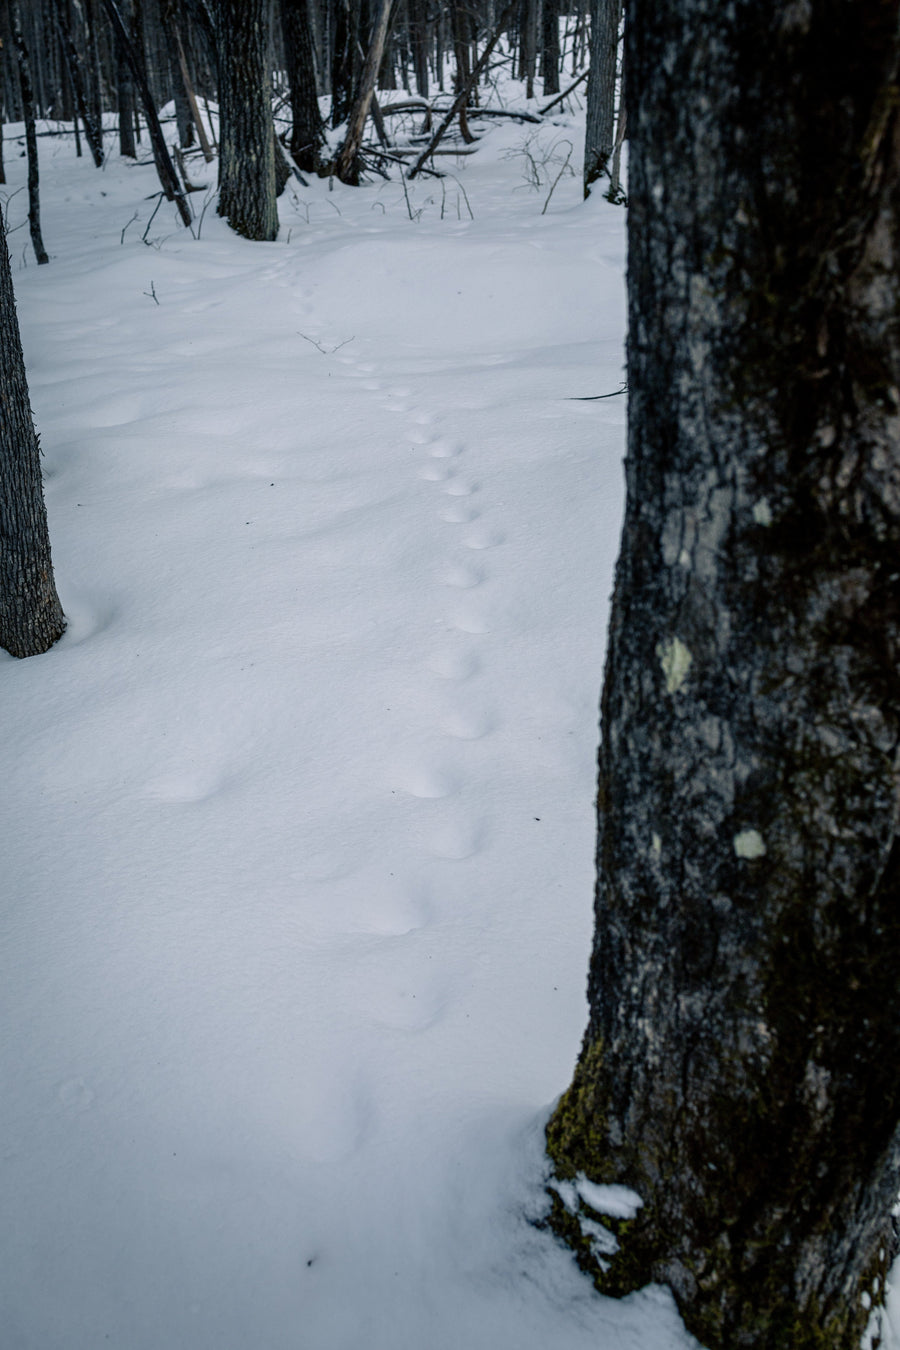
(125, 94)
(347, 166)
(418, 24)
(739, 1070)
(306, 127)
(615, 193)
(247, 152)
(164, 166)
(601, 91)
(463, 94)
(550, 46)
(92, 74)
(34, 192)
(460, 26)
(92, 130)
(31, 617)
(191, 96)
(528, 39)
(344, 63)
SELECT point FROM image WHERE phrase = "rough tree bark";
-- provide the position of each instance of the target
(27, 92)
(550, 46)
(125, 93)
(93, 129)
(347, 162)
(246, 143)
(164, 167)
(31, 617)
(306, 120)
(418, 27)
(599, 132)
(345, 58)
(463, 94)
(739, 1069)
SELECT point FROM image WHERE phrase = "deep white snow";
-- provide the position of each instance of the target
(298, 825)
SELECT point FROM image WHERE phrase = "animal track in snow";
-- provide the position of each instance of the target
(454, 663)
(406, 990)
(428, 780)
(468, 724)
(441, 449)
(455, 838)
(397, 914)
(458, 514)
(458, 487)
(470, 621)
(435, 473)
(460, 576)
(482, 537)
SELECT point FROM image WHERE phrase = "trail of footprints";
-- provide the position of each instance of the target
(448, 827)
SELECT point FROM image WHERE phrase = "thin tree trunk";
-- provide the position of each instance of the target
(459, 25)
(344, 60)
(599, 131)
(192, 97)
(550, 46)
(31, 617)
(739, 1070)
(183, 117)
(463, 94)
(247, 153)
(615, 192)
(418, 23)
(125, 95)
(34, 193)
(93, 80)
(528, 41)
(306, 127)
(164, 166)
(92, 130)
(347, 165)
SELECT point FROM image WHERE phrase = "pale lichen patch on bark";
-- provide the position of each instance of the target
(749, 844)
(675, 659)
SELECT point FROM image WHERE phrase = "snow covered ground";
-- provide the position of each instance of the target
(298, 820)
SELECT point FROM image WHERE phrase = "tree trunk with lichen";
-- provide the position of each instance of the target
(246, 145)
(31, 617)
(739, 1070)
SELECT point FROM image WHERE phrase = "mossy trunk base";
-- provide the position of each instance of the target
(739, 1071)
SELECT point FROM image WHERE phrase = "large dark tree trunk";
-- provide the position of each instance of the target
(739, 1070)
(31, 617)
(246, 145)
(306, 128)
(599, 132)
